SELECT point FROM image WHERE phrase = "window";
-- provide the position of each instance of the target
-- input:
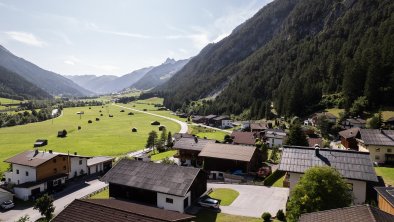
(55, 170)
(64, 167)
(377, 157)
(377, 150)
(169, 200)
(17, 171)
(54, 160)
(389, 150)
(27, 173)
(80, 162)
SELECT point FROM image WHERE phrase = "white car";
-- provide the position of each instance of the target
(7, 204)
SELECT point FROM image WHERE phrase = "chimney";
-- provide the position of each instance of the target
(317, 148)
(50, 151)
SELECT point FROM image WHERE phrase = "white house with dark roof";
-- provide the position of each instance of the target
(379, 144)
(275, 137)
(99, 164)
(355, 167)
(166, 186)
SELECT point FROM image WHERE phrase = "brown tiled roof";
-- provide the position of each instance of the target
(191, 144)
(349, 133)
(157, 177)
(247, 138)
(100, 210)
(359, 213)
(377, 137)
(257, 126)
(313, 141)
(228, 151)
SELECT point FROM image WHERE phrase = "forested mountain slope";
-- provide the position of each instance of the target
(50, 82)
(14, 86)
(291, 53)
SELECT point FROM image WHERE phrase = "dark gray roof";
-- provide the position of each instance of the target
(190, 144)
(221, 118)
(350, 164)
(359, 213)
(349, 133)
(177, 136)
(356, 121)
(377, 137)
(387, 193)
(162, 178)
(210, 116)
(99, 159)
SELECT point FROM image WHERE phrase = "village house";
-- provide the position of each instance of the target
(348, 138)
(258, 127)
(166, 186)
(389, 123)
(329, 116)
(313, 141)
(178, 136)
(33, 172)
(275, 137)
(379, 144)
(353, 122)
(188, 150)
(198, 119)
(209, 120)
(386, 199)
(355, 167)
(359, 213)
(244, 138)
(82, 210)
(99, 164)
(229, 158)
(222, 122)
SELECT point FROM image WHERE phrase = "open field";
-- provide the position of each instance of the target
(109, 136)
(202, 132)
(387, 173)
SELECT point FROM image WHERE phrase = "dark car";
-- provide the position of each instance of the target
(209, 202)
(7, 205)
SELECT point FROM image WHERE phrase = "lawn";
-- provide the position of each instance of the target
(279, 182)
(210, 216)
(387, 114)
(227, 196)
(109, 136)
(163, 155)
(102, 195)
(202, 132)
(387, 173)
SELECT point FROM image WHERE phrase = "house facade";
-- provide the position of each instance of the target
(166, 186)
(275, 137)
(188, 150)
(223, 122)
(355, 167)
(379, 144)
(33, 172)
(354, 122)
(99, 164)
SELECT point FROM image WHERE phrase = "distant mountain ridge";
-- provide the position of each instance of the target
(52, 83)
(159, 74)
(14, 86)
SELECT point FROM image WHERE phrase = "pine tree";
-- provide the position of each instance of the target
(152, 140)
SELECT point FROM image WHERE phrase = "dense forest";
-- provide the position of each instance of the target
(14, 86)
(300, 56)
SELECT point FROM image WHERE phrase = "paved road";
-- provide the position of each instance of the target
(62, 199)
(253, 201)
(184, 127)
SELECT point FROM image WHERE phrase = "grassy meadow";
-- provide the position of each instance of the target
(209, 133)
(109, 136)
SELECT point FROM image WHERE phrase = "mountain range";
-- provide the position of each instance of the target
(294, 54)
(142, 79)
(50, 82)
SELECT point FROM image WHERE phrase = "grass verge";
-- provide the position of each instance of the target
(227, 196)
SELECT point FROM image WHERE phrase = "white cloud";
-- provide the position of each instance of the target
(26, 38)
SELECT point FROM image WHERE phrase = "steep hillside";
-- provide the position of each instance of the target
(14, 86)
(93, 83)
(159, 74)
(50, 82)
(291, 53)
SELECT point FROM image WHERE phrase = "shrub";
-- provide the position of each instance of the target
(280, 215)
(266, 217)
(145, 110)
(271, 179)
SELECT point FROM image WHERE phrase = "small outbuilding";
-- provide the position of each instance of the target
(101, 114)
(90, 121)
(111, 115)
(62, 133)
(155, 123)
(99, 164)
(40, 143)
(97, 119)
(130, 113)
(134, 130)
(161, 128)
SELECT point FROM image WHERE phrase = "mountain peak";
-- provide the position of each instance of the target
(169, 61)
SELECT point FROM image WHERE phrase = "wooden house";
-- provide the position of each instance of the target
(188, 149)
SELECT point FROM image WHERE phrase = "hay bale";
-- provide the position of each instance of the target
(97, 119)
(145, 110)
(134, 130)
(90, 121)
(101, 114)
(100, 111)
(111, 115)
(90, 107)
(122, 111)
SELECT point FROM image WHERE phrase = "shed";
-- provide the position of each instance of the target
(90, 121)
(40, 143)
(161, 128)
(111, 115)
(62, 133)
(155, 123)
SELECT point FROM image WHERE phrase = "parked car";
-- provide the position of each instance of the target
(7, 204)
(209, 202)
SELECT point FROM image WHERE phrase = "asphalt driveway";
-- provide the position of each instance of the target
(253, 201)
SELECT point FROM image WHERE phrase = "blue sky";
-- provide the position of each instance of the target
(76, 37)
